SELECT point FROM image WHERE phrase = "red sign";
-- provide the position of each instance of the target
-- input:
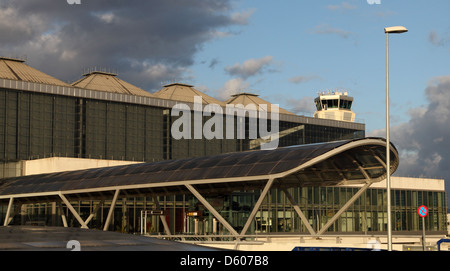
(423, 211)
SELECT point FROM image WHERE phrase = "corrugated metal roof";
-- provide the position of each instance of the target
(16, 69)
(249, 98)
(184, 93)
(109, 82)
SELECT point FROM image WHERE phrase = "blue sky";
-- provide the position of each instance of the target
(332, 45)
(286, 51)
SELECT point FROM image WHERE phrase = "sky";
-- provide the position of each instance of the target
(285, 51)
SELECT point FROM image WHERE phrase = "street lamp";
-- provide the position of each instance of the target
(389, 30)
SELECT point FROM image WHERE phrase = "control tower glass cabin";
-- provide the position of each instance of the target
(334, 106)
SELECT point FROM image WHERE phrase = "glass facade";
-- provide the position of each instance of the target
(367, 214)
(37, 125)
(116, 131)
(276, 215)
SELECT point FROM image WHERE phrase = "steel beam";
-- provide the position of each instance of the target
(74, 212)
(8, 212)
(111, 210)
(257, 205)
(93, 212)
(344, 208)
(162, 217)
(211, 209)
(299, 212)
(63, 216)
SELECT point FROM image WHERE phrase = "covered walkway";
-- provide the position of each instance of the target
(360, 161)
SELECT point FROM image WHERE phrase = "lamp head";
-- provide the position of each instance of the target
(395, 29)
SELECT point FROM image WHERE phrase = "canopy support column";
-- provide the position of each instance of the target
(211, 209)
(8, 212)
(93, 212)
(257, 205)
(162, 217)
(63, 216)
(111, 210)
(16, 211)
(299, 212)
(74, 212)
(344, 208)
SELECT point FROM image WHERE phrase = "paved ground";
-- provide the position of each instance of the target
(32, 238)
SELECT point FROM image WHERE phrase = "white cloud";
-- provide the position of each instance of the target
(217, 34)
(106, 17)
(14, 30)
(157, 72)
(62, 39)
(231, 87)
(342, 6)
(243, 17)
(433, 38)
(303, 78)
(327, 29)
(67, 55)
(437, 40)
(302, 106)
(250, 67)
(423, 142)
(385, 14)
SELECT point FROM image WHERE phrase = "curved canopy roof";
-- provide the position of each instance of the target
(324, 164)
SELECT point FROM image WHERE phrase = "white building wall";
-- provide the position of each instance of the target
(59, 164)
(410, 183)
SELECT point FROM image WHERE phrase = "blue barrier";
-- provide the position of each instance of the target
(442, 241)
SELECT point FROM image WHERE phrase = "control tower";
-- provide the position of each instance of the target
(335, 106)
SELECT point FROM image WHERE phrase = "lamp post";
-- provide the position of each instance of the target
(389, 30)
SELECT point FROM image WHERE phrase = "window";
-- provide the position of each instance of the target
(332, 103)
(318, 105)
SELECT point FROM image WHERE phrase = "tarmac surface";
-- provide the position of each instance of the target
(35, 238)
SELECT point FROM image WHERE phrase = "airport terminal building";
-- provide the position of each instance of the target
(49, 126)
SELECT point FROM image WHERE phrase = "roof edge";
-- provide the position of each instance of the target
(347, 146)
(178, 84)
(100, 72)
(12, 59)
